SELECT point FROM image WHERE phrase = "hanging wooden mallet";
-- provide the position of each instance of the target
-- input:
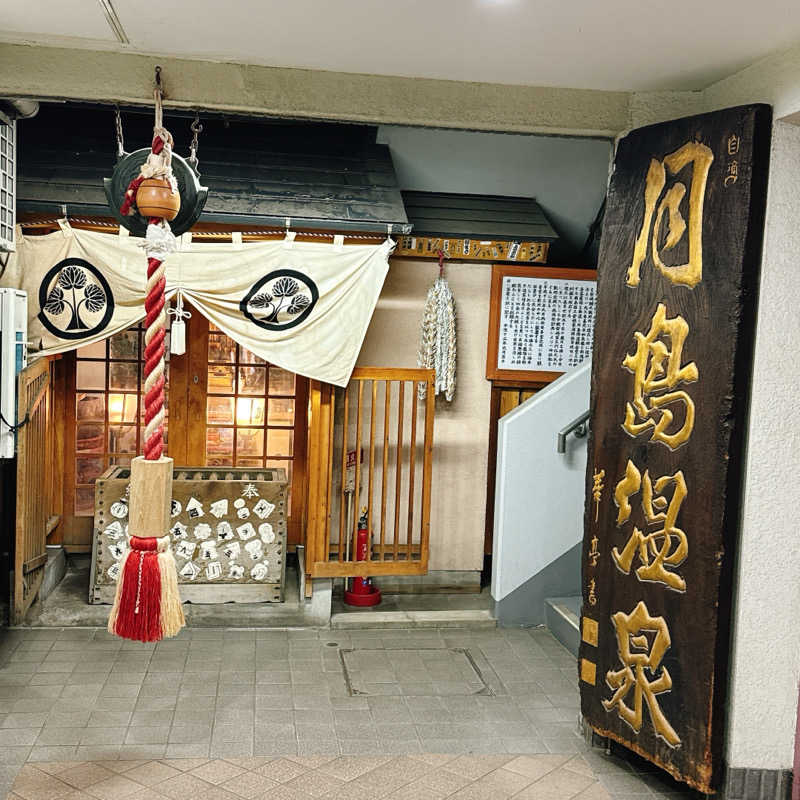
(147, 604)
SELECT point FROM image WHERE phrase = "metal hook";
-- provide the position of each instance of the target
(158, 77)
(118, 126)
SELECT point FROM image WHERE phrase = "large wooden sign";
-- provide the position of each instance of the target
(673, 341)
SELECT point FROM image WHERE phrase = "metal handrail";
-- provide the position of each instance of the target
(579, 426)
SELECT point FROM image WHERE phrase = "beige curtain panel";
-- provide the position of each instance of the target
(304, 306)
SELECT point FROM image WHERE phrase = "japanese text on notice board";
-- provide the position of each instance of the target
(545, 324)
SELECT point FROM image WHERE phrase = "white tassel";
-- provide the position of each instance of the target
(177, 332)
(172, 619)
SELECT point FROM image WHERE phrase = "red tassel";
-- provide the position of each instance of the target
(139, 613)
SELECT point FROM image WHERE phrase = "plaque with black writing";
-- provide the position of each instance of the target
(676, 302)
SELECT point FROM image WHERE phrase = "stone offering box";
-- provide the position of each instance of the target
(228, 531)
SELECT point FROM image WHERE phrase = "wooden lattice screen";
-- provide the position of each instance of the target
(35, 502)
(373, 444)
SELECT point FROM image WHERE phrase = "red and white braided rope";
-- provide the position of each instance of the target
(158, 243)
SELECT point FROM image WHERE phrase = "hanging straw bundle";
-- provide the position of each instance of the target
(437, 346)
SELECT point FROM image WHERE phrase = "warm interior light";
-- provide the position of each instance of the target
(116, 404)
(244, 411)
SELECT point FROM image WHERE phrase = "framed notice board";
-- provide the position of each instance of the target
(541, 322)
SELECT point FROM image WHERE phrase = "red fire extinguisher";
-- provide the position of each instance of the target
(362, 591)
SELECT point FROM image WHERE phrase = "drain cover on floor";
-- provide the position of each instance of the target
(418, 672)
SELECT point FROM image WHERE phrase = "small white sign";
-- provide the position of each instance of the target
(235, 571)
(119, 509)
(190, 570)
(266, 533)
(219, 508)
(260, 571)
(246, 531)
(194, 508)
(224, 531)
(255, 548)
(262, 509)
(213, 570)
(232, 550)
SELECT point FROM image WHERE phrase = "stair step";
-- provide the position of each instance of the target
(454, 618)
(563, 616)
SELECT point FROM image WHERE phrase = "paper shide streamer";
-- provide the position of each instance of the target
(437, 346)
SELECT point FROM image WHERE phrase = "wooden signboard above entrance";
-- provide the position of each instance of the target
(467, 249)
(540, 322)
(678, 273)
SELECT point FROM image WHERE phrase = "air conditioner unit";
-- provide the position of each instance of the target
(13, 359)
(8, 181)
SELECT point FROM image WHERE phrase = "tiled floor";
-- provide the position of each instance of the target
(264, 713)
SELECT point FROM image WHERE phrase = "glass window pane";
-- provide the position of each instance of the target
(89, 437)
(90, 375)
(123, 375)
(219, 446)
(246, 357)
(90, 406)
(87, 469)
(280, 463)
(124, 345)
(220, 380)
(84, 502)
(249, 462)
(252, 380)
(94, 350)
(281, 412)
(121, 438)
(250, 411)
(219, 411)
(221, 348)
(249, 442)
(120, 461)
(280, 381)
(122, 407)
(279, 443)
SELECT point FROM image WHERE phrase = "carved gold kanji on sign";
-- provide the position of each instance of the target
(597, 490)
(642, 641)
(657, 371)
(660, 549)
(690, 273)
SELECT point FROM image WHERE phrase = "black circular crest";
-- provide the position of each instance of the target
(75, 300)
(193, 195)
(280, 300)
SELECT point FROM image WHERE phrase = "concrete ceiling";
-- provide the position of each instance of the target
(627, 45)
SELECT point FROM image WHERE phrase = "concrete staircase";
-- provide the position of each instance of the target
(563, 618)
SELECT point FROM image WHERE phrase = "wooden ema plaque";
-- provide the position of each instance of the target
(228, 533)
(677, 281)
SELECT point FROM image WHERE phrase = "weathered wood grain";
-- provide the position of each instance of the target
(689, 595)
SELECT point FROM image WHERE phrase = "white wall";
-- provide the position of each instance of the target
(461, 430)
(566, 176)
(765, 659)
(766, 652)
(531, 528)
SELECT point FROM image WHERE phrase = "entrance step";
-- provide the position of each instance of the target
(563, 617)
(67, 606)
(453, 618)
